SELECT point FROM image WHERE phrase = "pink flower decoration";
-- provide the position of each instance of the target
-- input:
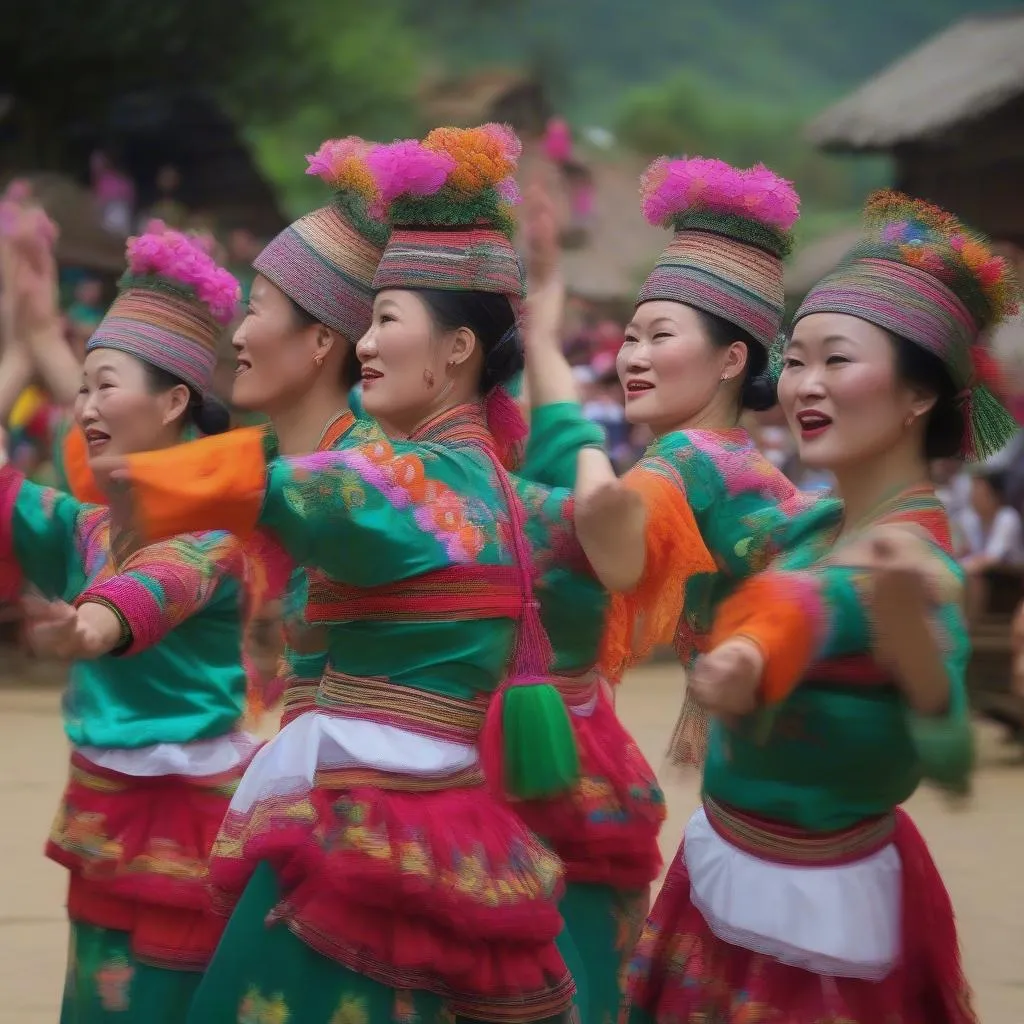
(894, 231)
(671, 187)
(510, 143)
(769, 198)
(328, 162)
(508, 189)
(407, 168)
(176, 257)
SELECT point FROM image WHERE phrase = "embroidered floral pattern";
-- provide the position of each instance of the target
(256, 1008)
(352, 1010)
(113, 984)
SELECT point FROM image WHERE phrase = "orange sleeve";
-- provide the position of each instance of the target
(776, 611)
(674, 551)
(217, 483)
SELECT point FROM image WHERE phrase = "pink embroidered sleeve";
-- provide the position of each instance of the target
(10, 569)
(161, 585)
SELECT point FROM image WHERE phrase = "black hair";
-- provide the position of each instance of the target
(205, 412)
(759, 391)
(917, 367)
(350, 371)
(491, 318)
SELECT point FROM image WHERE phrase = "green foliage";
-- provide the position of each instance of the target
(690, 115)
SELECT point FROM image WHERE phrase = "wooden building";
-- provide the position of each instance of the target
(951, 116)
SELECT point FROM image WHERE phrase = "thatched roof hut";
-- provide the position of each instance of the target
(968, 72)
(951, 113)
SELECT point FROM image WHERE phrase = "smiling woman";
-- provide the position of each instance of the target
(802, 888)
(155, 743)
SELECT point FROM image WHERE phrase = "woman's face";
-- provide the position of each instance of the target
(117, 410)
(406, 363)
(669, 370)
(840, 391)
(277, 353)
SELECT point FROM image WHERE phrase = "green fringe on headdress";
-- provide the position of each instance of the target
(989, 427)
(451, 209)
(355, 209)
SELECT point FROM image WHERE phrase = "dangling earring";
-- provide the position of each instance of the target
(428, 378)
(909, 421)
(319, 360)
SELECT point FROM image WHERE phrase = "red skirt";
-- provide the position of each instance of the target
(606, 829)
(442, 890)
(137, 849)
(682, 972)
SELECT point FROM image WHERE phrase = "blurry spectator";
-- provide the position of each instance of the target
(993, 532)
(243, 247)
(114, 193)
(168, 207)
(86, 311)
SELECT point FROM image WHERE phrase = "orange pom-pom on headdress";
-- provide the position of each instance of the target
(484, 156)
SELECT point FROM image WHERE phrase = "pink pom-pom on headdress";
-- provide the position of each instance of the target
(341, 163)
(180, 259)
(673, 187)
(408, 168)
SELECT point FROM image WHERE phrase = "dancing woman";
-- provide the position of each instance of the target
(703, 508)
(802, 890)
(310, 302)
(401, 882)
(156, 687)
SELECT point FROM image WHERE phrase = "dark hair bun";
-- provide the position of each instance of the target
(759, 392)
(209, 415)
(504, 361)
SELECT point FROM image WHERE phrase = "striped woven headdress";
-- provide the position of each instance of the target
(732, 232)
(325, 261)
(449, 201)
(920, 274)
(173, 303)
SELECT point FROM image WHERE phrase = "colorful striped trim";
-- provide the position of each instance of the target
(165, 330)
(722, 276)
(377, 699)
(360, 778)
(326, 266)
(786, 844)
(471, 259)
(459, 591)
(904, 300)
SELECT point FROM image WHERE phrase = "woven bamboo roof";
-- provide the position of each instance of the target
(965, 73)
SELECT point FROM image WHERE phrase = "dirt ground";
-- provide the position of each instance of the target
(977, 846)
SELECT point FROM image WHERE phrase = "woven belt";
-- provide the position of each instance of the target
(786, 844)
